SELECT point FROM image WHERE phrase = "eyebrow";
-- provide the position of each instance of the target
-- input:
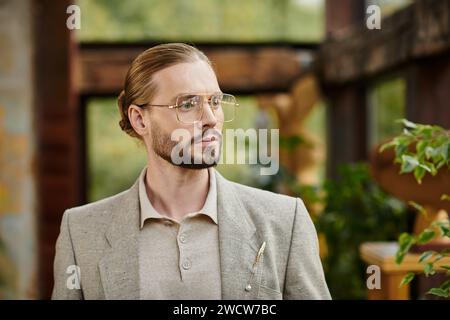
(195, 93)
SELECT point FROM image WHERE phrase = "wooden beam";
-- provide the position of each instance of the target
(418, 31)
(241, 69)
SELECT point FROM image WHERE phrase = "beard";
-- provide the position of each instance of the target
(163, 145)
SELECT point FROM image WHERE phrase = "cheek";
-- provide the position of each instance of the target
(165, 120)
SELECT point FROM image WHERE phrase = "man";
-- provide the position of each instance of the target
(182, 231)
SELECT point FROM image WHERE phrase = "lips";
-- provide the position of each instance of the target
(212, 136)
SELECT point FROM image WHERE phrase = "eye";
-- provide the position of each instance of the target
(215, 101)
(189, 103)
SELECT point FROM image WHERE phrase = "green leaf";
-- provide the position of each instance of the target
(440, 164)
(444, 228)
(426, 236)
(426, 255)
(445, 197)
(407, 132)
(405, 242)
(426, 167)
(421, 146)
(428, 269)
(409, 163)
(419, 173)
(445, 285)
(445, 231)
(433, 169)
(400, 149)
(418, 207)
(431, 152)
(444, 151)
(407, 279)
(446, 267)
(429, 167)
(408, 124)
(439, 292)
(388, 145)
(424, 130)
(438, 257)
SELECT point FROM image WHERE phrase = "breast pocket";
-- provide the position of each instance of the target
(265, 280)
(266, 293)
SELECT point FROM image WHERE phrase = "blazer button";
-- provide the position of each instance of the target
(248, 288)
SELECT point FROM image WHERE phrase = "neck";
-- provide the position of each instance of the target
(175, 191)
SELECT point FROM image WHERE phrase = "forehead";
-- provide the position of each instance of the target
(195, 77)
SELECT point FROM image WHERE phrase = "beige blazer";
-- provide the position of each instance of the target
(101, 239)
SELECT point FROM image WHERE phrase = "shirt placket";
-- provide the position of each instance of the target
(183, 241)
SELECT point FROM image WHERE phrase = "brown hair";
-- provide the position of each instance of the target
(139, 86)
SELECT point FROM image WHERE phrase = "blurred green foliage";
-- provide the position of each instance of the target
(202, 20)
(422, 149)
(355, 210)
(114, 158)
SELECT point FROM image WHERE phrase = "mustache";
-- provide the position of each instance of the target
(210, 132)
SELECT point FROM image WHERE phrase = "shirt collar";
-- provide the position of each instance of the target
(148, 211)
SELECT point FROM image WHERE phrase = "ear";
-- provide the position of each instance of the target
(137, 119)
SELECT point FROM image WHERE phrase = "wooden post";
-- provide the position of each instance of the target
(57, 133)
(428, 94)
(346, 102)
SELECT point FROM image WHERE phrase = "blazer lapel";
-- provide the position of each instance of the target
(239, 243)
(119, 267)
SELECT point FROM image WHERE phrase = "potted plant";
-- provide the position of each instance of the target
(423, 151)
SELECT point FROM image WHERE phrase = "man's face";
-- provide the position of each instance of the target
(204, 139)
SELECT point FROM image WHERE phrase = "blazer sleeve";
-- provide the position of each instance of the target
(64, 265)
(304, 272)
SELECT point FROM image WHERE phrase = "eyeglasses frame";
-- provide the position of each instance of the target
(175, 106)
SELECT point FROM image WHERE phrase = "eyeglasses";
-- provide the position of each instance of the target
(189, 107)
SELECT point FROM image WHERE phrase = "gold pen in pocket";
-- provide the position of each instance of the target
(259, 255)
(248, 288)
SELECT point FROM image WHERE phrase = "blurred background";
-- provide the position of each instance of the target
(310, 68)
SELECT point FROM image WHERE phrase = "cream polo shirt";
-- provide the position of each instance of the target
(179, 260)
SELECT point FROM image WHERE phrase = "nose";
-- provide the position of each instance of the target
(208, 117)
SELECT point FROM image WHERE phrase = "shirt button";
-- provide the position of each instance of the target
(183, 238)
(186, 264)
